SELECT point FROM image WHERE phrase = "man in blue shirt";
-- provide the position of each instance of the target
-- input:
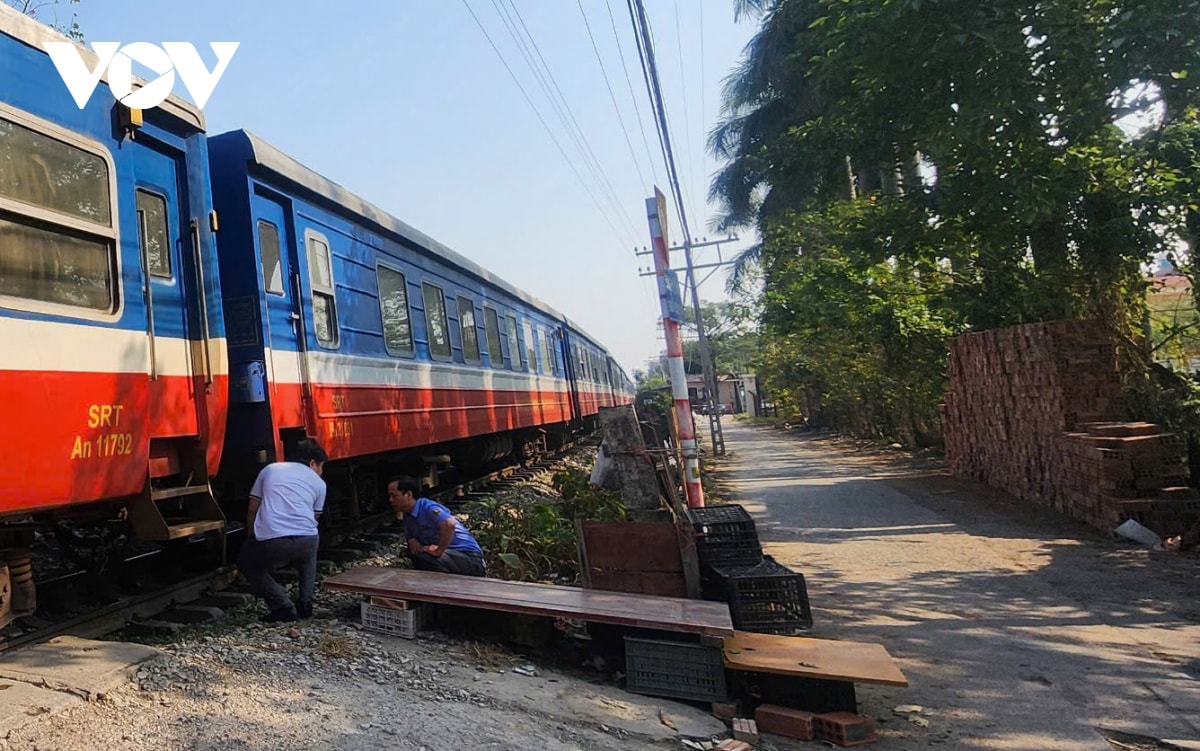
(436, 540)
(281, 523)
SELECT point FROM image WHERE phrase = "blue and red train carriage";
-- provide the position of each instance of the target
(176, 308)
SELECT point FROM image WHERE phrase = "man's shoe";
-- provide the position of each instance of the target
(304, 610)
(282, 615)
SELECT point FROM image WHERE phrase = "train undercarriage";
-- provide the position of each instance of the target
(83, 556)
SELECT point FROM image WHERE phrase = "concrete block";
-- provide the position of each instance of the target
(784, 721)
(745, 730)
(844, 728)
(22, 704)
(82, 667)
(726, 710)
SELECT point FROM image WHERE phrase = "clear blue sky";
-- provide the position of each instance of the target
(405, 103)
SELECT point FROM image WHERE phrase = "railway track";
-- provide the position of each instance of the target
(199, 597)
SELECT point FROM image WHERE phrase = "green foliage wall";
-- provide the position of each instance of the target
(918, 169)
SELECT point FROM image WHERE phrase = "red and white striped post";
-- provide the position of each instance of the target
(656, 212)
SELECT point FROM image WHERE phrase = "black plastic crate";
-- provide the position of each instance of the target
(677, 670)
(767, 599)
(725, 536)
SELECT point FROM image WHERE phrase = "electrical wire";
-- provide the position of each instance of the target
(687, 120)
(629, 82)
(613, 97)
(542, 120)
(650, 73)
(582, 141)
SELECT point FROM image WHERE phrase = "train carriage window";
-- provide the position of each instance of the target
(466, 322)
(393, 305)
(55, 267)
(491, 326)
(153, 233)
(435, 320)
(272, 266)
(547, 358)
(45, 172)
(530, 348)
(320, 271)
(514, 347)
(56, 232)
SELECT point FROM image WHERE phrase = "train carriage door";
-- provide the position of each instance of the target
(170, 293)
(284, 335)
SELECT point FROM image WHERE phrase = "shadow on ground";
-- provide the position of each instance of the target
(1021, 627)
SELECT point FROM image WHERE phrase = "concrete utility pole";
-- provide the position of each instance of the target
(706, 363)
(672, 310)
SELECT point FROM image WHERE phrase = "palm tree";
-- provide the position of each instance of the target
(764, 97)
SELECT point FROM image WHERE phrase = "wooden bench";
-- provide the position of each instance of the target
(597, 606)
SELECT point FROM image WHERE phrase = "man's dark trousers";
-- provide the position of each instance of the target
(450, 562)
(260, 557)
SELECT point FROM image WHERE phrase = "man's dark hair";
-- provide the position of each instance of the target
(307, 451)
(404, 482)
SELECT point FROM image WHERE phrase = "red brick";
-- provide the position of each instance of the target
(745, 730)
(730, 744)
(790, 723)
(844, 728)
(726, 710)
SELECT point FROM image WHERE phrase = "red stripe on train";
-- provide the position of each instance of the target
(352, 420)
(80, 437)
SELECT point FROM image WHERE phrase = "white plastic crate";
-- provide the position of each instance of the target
(403, 623)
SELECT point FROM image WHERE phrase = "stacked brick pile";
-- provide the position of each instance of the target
(1037, 410)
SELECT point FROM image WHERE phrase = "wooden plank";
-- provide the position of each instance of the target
(637, 557)
(640, 582)
(620, 608)
(802, 657)
(632, 546)
(685, 536)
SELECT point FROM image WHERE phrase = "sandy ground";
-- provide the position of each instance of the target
(327, 684)
(1017, 628)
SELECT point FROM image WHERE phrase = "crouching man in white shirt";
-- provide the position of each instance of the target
(285, 503)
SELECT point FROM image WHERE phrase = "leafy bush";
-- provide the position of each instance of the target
(530, 539)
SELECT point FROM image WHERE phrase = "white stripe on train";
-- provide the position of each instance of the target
(57, 347)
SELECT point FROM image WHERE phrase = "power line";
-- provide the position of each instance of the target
(542, 120)
(637, 14)
(629, 82)
(581, 141)
(687, 120)
(703, 96)
(611, 95)
(576, 136)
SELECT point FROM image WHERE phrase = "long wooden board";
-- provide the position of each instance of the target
(620, 608)
(802, 657)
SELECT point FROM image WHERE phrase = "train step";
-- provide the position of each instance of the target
(162, 494)
(187, 529)
(176, 513)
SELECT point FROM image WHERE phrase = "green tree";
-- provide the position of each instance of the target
(732, 332)
(919, 168)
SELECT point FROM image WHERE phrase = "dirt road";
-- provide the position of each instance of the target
(1017, 629)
